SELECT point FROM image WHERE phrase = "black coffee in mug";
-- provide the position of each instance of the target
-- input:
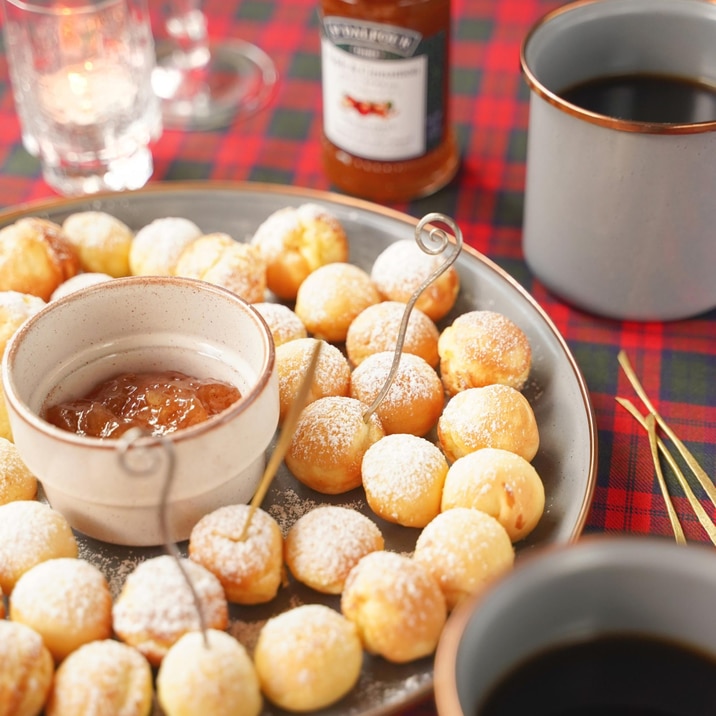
(620, 675)
(646, 98)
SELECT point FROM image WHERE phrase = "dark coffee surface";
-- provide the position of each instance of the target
(646, 98)
(613, 675)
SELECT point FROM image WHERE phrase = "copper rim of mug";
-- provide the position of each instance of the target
(593, 117)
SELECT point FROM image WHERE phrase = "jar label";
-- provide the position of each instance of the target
(383, 89)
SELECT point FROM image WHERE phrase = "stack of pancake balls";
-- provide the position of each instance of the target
(446, 453)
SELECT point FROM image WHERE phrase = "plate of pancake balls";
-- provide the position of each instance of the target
(378, 522)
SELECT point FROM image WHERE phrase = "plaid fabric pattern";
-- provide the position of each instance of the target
(675, 361)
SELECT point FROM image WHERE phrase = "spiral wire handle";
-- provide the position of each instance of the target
(433, 242)
(128, 443)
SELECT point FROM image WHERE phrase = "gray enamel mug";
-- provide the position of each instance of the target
(620, 213)
(602, 587)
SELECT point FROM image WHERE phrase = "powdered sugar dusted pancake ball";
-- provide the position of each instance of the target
(218, 259)
(219, 679)
(414, 400)
(101, 241)
(295, 241)
(283, 322)
(15, 309)
(102, 677)
(331, 297)
(464, 550)
(308, 658)
(324, 545)
(331, 378)
(376, 329)
(67, 601)
(397, 606)
(157, 246)
(31, 532)
(403, 477)
(483, 347)
(500, 483)
(492, 416)
(156, 607)
(78, 282)
(35, 257)
(400, 269)
(329, 442)
(199, 255)
(249, 566)
(16, 480)
(26, 670)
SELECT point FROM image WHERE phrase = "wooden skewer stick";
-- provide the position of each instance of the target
(690, 460)
(697, 507)
(284, 440)
(673, 517)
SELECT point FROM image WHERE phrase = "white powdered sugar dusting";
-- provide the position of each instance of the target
(402, 267)
(414, 380)
(219, 536)
(402, 467)
(156, 598)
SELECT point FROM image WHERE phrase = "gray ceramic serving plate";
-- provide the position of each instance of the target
(566, 461)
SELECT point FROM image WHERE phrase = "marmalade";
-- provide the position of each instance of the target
(158, 402)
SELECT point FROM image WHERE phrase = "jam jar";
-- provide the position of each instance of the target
(385, 64)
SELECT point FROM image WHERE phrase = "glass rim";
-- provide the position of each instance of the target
(67, 7)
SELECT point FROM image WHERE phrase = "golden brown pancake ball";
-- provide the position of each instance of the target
(247, 562)
(331, 297)
(403, 477)
(376, 329)
(102, 677)
(492, 416)
(16, 480)
(26, 670)
(308, 658)
(329, 442)
(216, 678)
(401, 268)
(500, 483)
(465, 550)
(31, 532)
(35, 257)
(483, 347)
(101, 241)
(332, 376)
(414, 400)
(156, 607)
(323, 546)
(295, 241)
(397, 606)
(67, 601)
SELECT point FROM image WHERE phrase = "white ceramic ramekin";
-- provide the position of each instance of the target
(142, 324)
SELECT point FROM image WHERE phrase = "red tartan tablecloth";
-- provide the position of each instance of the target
(676, 361)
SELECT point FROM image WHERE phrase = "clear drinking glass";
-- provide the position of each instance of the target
(205, 85)
(81, 77)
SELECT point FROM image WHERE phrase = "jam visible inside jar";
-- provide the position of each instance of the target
(159, 403)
